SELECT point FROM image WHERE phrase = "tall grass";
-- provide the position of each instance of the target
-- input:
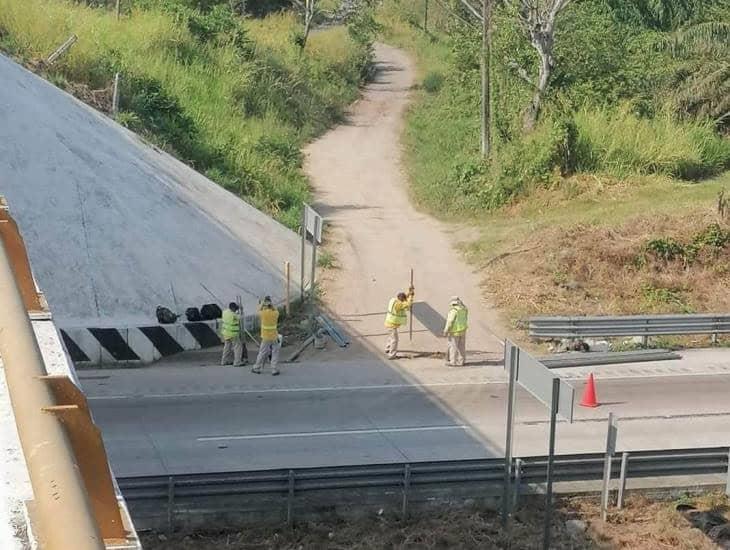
(617, 142)
(239, 113)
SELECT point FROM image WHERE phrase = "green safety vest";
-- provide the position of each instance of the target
(394, 318)
(460, 324)
(231, 326)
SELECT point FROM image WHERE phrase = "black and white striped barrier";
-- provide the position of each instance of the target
(143, 344)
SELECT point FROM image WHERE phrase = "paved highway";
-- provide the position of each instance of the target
(233, 420)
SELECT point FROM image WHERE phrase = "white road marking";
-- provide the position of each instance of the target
(573, 377)
(294, 390)
(341, 432)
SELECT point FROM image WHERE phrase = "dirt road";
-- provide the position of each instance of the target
(376, 234)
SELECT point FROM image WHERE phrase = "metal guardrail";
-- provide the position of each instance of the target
(631, 325)
(306, 487)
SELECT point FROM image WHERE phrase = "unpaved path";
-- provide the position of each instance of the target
(376, 234)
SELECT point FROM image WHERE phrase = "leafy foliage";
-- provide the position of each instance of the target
(607, 110)
(703, 80)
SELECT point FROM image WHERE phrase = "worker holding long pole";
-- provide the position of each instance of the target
(396, 317)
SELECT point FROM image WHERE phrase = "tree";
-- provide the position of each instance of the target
(537, 17)
(308, 10)
(703, 87)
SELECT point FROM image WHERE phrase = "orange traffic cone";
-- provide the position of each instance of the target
(589, 394)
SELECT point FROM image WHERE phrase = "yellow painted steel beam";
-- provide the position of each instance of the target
(64, 518)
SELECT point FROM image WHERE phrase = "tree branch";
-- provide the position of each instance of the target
(472, 10)
(521, 72)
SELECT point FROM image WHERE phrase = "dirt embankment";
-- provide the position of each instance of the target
(687, 524)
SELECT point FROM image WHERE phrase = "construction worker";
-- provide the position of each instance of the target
(270, 339)
(455, 331)
(396, 316)
(231, 333)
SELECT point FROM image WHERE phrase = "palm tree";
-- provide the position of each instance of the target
(704, 78)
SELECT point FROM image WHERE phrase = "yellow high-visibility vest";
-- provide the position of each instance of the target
(457, 321)
(396, 315)
(231, 326)
(269, 318)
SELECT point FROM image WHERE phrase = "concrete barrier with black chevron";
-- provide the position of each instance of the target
(89, 346)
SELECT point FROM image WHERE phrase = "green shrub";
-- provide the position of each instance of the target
(433, 81)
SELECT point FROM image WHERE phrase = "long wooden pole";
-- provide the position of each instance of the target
(287, 270)
(410, 328)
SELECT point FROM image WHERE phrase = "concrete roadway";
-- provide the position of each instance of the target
(237, 421)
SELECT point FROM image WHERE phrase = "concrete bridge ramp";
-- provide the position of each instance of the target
(113, 225)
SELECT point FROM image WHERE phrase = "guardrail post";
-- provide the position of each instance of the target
(714, 338)
(406, 489)
(610, 450)
(518, 482)
(290, 501)
(727, 484)
(622, 479)
(170, 504)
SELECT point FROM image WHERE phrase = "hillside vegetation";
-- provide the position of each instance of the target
(233, 97)
(610, 204)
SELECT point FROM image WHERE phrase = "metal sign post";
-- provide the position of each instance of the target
(311, 225)
(511, 360)
(554, 405)
(610, 450)
(554, 393)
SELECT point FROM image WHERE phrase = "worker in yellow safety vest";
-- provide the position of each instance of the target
(395, 317)
(231, 334)
(455, 332)
(270, 338)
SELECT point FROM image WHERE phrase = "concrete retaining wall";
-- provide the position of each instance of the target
(144, 344)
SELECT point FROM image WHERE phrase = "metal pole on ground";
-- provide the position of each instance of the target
(551, 457)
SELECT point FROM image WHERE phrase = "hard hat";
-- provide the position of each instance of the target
(455, 301)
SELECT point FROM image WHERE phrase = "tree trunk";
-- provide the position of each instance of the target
(308, 16)
(486, 87)
(544, 50)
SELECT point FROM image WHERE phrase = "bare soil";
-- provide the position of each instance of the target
(642, 524)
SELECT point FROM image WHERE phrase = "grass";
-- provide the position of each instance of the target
(582, 249)
(326, 260)
(237, 105)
